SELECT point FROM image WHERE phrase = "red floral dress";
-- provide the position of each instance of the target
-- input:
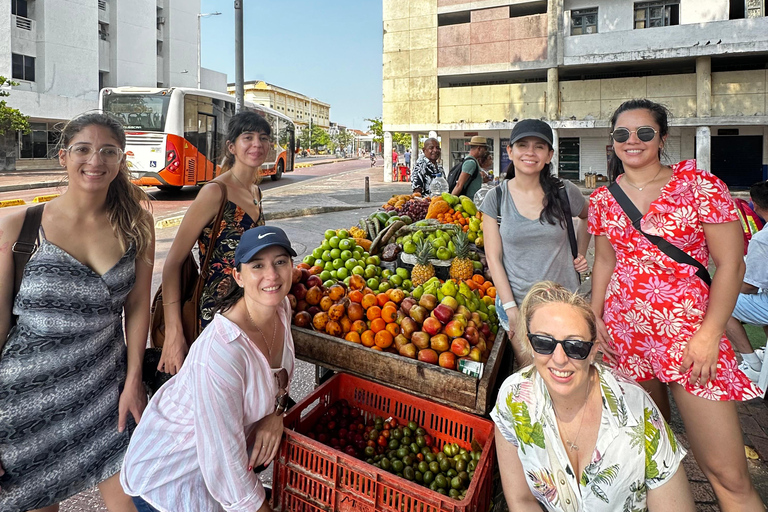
(653, 305)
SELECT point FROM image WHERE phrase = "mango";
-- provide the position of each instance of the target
(450, 198)
(468, 205)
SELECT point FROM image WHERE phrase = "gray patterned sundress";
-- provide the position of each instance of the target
(61, 374)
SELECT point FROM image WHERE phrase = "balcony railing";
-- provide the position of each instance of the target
(23, 23)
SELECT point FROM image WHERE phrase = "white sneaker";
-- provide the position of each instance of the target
(760, 353)
(754, 375)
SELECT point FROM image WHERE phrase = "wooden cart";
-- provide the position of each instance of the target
(426, 380)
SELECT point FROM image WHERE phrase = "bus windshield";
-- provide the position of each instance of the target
(146, 112)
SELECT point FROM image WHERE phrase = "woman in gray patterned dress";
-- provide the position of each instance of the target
(70, 379)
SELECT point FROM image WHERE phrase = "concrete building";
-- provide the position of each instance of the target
(462, 68)
(295, 105)
(63, 53)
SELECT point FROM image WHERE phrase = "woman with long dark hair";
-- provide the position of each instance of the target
(70, 378)
(530, 243)
(249, 137)
(665, 323)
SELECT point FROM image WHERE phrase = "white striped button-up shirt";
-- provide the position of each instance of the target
(189, 451)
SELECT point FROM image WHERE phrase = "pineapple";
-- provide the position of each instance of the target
(461, 266)
(423, 270)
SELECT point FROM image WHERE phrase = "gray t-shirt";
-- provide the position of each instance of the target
(533, 251)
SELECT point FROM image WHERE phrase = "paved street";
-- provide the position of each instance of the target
(338, 189)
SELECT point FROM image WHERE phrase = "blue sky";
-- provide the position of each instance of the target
(330, 50)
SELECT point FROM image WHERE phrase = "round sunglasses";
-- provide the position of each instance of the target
(545, 345)
(644, 133)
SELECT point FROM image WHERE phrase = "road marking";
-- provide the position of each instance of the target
(45, 199)
(169, 222)
(11, 202)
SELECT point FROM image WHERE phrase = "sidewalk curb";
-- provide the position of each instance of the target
(30, 186)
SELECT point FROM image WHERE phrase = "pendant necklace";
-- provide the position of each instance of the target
(572, 445)
(255, 201)
(274, 333)
(641, 188)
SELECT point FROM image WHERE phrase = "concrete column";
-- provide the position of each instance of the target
(703, 86)
(414, 148)
(556, 157)
(703, 148)
(553, 94)
(388, 157)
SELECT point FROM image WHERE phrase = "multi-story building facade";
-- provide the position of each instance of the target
(63, 53)
(463, 68)
(297, 106)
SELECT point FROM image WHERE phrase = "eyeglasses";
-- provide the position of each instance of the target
(644, 133)
(81, 153)
(281, 398)
(545, 345)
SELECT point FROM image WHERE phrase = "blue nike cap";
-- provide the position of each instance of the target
(258, 238)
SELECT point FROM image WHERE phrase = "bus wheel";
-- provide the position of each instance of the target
(279, 172)
(169, 188)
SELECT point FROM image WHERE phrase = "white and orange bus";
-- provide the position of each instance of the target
(175, 136)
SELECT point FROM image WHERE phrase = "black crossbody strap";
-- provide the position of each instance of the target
(499, 189)
(666, 247)
(26, 244)
(566, 206)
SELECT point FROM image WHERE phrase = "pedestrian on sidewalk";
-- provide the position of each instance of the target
(71, 386)
(221, 416)
(426, 168)
(575, 435)
(248, 141)
(407, 158)
(665, 323)
(752, 302)
(471, 177)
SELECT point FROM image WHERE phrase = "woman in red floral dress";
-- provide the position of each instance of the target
(665, 331)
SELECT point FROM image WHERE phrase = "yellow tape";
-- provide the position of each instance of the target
(169, 222)
(11, 202)
(45, 199)
(299, 166)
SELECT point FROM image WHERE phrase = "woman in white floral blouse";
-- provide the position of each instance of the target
(571, 434)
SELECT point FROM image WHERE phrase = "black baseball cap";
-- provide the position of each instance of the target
(531, 128)
(258, 238)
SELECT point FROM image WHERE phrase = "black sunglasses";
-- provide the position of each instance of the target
(545, 345)
(644, 133)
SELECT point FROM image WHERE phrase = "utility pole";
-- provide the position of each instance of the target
(310, 123)
(239, 87)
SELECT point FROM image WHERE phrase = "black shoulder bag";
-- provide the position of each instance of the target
(664, 246)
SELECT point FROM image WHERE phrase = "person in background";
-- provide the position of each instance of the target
(574, 435)
(249, 138)
(394, 158)
(426, 168)
(471, 177)
(752, 302)
(531, 243)
(71, 386)
(665, 324)
(407, 158)
(222, 415)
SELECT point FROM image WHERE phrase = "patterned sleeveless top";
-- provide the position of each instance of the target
(234, 223)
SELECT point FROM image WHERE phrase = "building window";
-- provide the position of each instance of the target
(568, 163)
(159, 47)
(103, 31)
(584, 21)
(19, 8)
(657, 14)
(23, 67)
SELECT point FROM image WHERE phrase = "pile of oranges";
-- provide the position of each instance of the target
(483, 286)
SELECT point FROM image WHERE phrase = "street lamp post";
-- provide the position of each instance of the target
(200, 44)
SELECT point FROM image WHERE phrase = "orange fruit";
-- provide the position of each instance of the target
(382, 299)
(393, 329)
(374, 347)
(369, 300)
(491, 291)
(487, 285)
(373, 312)
(390, 304)
(378, 324)
(384, 339)
(478, 279)
(352, 336)
(389, 314)
(368, 338)
(359, 326)
(356, 296)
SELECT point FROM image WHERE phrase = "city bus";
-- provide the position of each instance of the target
(175, 136)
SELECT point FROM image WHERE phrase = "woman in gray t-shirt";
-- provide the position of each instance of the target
(531, 242)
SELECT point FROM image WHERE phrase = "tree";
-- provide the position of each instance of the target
(11, 119)
(398, 138)
(319, 137)
(343, 139)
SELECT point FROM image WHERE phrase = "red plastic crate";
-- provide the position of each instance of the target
(312, 477)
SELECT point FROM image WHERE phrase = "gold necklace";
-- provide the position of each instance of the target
(572, 445)
(274, 333)
(255, 201)
(641, 188)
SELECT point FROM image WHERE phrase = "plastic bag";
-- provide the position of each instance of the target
(438, 186)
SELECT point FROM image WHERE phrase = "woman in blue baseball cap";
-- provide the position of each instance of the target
(221, 416)
(524, 226)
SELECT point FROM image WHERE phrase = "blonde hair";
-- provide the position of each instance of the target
(549, 292)
(127, 205)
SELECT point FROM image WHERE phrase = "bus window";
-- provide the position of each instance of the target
(190, 119)
(144, 112)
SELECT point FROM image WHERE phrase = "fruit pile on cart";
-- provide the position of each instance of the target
(402, 307)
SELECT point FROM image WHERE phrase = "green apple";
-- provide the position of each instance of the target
(329, 233)
(373, 283)
(345, 255)
(396, 280)
(342, 273)
(346, 243)
(384, 287)
(329, 283)
(373, 260)
(328, 265)
(326, 246)
(357, 253)
(386, 273)
(358, 270)
(327, 256)
(403, 272)
(334, 275)
(350, 264)
(370, 271)
(325, 275)
(347, 279)
(308, 259)
(335, 253)
(343, 233)
(317, 253)
(334, 241)
(338, 263)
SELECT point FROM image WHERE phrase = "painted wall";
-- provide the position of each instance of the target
(133, 36)
(213, 80)
(181, 37)
(5, 38)
(478, 104)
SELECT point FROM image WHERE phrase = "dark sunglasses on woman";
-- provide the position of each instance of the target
(644, 133)
(545, 345)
